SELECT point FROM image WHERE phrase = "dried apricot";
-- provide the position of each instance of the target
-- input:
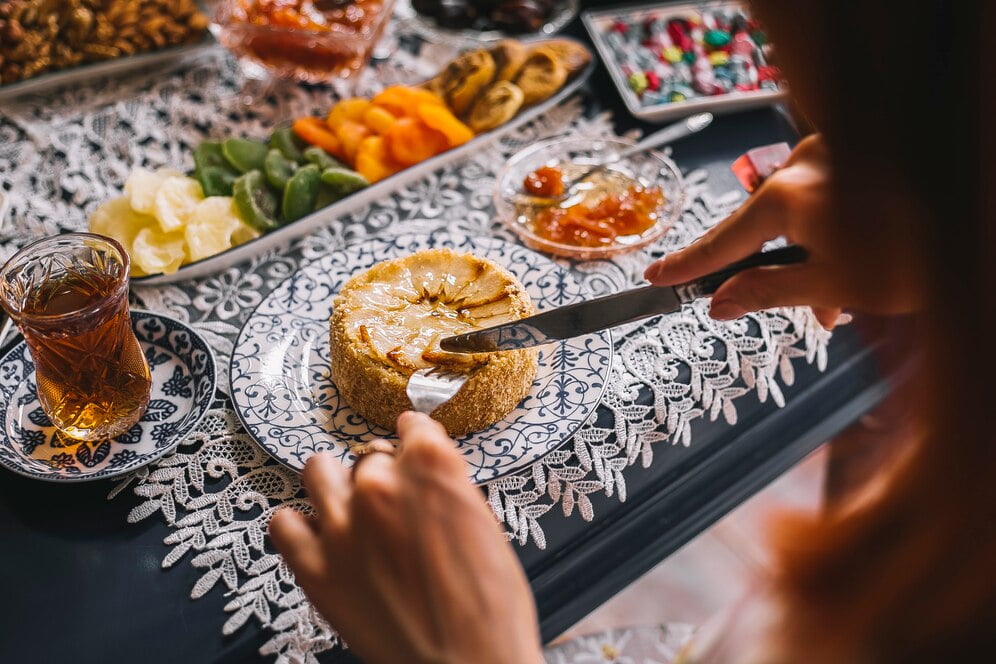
(379, 119)
(350, 134)
(442, 120)
(316, 132)
(411, 141)
(348, 109)
(373, 159)
(402, 101)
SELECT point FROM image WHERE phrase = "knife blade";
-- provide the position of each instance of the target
(582, 318)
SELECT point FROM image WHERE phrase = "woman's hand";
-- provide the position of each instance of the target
(794, 202)
(406, 560)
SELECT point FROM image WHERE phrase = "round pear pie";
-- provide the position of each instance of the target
(387, 323)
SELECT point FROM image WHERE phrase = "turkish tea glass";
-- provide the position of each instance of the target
(68, 295)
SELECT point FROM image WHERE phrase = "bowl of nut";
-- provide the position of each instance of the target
(46, 43)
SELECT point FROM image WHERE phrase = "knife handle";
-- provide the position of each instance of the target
(710, 283)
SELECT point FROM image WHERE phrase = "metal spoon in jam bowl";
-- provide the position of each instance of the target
(669, 134)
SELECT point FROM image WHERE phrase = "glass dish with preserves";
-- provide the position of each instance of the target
(306, 40)
(628, 205)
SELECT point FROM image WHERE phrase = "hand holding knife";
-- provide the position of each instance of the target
(609, 311)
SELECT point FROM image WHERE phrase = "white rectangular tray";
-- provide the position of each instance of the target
(282, 236)
(117, 66)
(597, 21)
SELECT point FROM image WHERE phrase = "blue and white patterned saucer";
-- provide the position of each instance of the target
(283, 393)
(183, 382)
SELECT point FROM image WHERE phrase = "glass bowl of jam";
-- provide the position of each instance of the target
(621, 208)
(307, 40)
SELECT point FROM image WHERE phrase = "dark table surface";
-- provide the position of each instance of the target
(80, 584)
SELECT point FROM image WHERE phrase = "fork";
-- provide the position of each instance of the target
(430, 388)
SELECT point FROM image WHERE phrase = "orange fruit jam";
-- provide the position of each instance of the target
(546, 181)
(601, 219)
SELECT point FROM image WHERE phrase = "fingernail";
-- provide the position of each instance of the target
(844, 319)
(726, 310)
(409, 416)
(653, 271)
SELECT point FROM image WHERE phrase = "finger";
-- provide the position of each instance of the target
(378, 452)
(828, 317)
(375, 468)
(375, 484)
(810, 147)
(297, 543)
(760, 219)
(327, 482)
(426, 445)
(764, 288)
(376, 445)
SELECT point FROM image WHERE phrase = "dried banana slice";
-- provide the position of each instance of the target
(571, 54)
(541, 75)
(508, 54)
(496, 106)
(465, 77)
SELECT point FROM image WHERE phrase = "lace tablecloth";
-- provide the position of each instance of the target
(63, 155)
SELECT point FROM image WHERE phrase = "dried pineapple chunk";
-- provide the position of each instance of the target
(143, 185)
(175, 202)
(156, 252)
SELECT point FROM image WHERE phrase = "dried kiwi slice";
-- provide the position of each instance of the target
(301, 192)
(257, 204)
(289, 144)
(278, 169)
(326, 197)
(321, 158)
(343, 181)
(243, 154)
(211, 169)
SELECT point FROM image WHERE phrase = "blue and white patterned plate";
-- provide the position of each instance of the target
(286, 399)
(183, 382)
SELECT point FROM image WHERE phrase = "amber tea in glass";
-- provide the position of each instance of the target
(68, 295)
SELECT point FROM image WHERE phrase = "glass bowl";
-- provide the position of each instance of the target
(339, 50)
(651, 169)
(427, 28)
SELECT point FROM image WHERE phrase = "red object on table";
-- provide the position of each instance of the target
(755, 166)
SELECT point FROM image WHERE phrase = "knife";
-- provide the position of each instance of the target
(582, 318)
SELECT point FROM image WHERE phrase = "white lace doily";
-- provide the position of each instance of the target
(60, 159)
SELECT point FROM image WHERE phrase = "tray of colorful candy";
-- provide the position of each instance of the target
(672, 60)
